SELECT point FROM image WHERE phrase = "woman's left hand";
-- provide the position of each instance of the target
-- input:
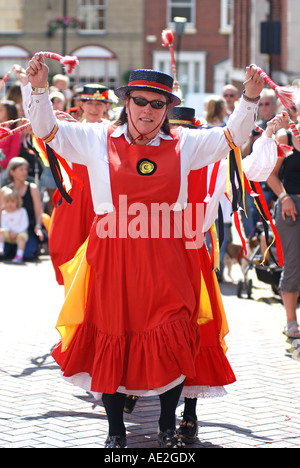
(278, 122)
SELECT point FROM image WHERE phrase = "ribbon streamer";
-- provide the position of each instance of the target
(5, 132)
(266, 217)
(4, 79)
(168, 41)
(69, 62)
(286, 95)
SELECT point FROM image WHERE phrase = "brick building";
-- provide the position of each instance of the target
(108, 38)
(111, 37)
(204, 45)
(245, 48)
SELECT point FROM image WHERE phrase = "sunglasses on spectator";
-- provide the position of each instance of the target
(264, 104)
(228, 95)
(142, 102)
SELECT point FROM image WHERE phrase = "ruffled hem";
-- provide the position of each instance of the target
(212, 369)
(83, 380)
(136, 361)
(203, 392)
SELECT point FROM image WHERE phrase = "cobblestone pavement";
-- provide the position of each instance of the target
(38, 409)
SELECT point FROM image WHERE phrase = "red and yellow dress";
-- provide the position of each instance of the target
(71, 223)
(213, 370)
(138, 332)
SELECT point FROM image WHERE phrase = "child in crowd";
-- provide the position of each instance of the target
(14, 224)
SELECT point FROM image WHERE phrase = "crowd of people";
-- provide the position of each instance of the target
(149, 318)
(22, 168)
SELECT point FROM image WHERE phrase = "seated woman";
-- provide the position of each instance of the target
(17, 173)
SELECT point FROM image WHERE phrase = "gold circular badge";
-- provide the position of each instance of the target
(146, 167)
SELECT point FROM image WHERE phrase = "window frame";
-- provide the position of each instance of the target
(225, 21)
(191, 58)
(82, 7)
(4, 10)
(182, 4)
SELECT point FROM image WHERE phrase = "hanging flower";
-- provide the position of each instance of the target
(62, 22)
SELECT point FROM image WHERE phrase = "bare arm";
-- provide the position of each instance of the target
(274, 182)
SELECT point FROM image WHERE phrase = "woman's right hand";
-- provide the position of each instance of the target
(37, 71)
(288, 209)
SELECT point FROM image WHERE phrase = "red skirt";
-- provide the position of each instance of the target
(140, 330)
(212, 366)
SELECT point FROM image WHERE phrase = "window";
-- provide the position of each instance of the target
(11, 16)
(184, 9)
(9, 55)
(190, 70)
(226, 15)
(96, 65)
(92, 15)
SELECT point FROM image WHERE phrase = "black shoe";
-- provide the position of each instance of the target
(116, 442)
(170, 439)
(130, 403)
(188, 429)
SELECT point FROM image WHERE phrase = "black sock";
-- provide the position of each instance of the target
(190, 405)
(168, 404)
(114, 406)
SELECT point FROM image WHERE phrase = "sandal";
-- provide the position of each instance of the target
(170, 439)
(130, 402)
(292, 330)
(188, 429)
(116, 442)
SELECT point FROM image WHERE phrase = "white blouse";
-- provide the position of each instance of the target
(86, 143)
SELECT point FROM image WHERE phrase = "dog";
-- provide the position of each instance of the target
(235, 254)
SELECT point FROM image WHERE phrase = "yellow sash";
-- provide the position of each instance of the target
(76, 274)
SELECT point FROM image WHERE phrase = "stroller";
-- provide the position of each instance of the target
(268, 274)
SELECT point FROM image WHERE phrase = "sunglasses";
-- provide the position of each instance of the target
(229, 95)
(262, 104)
(142, 102)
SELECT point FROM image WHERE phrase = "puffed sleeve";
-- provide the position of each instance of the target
(204, 147)
(261, 162)
(69, 139)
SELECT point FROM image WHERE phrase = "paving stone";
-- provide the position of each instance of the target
(39, 410)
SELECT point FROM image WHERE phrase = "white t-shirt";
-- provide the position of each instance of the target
(15, 221)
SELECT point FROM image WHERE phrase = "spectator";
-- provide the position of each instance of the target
(231, 96)
(58, 101)
(17, 173)
(10, 146)
(267, 111)
(14, 94)
(285, 183)
(215, 112)
(62, 83)
(14, 224)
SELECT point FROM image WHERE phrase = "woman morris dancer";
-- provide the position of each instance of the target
(138, 333)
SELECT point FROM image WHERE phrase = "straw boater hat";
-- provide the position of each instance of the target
(184, 116)
(149, 80)
(95, 92)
